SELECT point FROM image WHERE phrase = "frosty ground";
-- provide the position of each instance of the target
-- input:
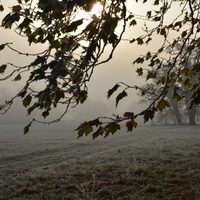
(152, 162)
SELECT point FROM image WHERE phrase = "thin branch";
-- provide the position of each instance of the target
(170, 69)
(25, 54)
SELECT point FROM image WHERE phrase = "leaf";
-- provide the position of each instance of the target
(2, 68)
(129, 115)
(134, 124)
(148, 40)
(16, 8)
(159, 66)
(22, 93)
(45, 113)
(35, 105)
(90, 27)
(84, 128)
(140, 41)
(160, 50)
(149, 14)
(139, 60)
(32, 38)
(93, 31)
(77, 76)
(94, 122)
(176, 96)
(25, 23)
(148, 55)
(2, 47)
(111, 128)
(9, 19)
(114, 23)
(113, 39)
(55, 44)
(99, 132)
(27, 100)
(1, 8)
(174, 43)
(130, 124)
(162, 104)
(38, 60)
(179, 23)
(120, 96)
(26, 128)
(91, 50)
(106, 27)
(139, 71)
(156, 2)
(133, 22)
(196, 67)
(132, 41)
(187, 83)
(59, 94)
(82, 96)
(43, 94)
(111, 91)
(151, 74)
(74, 25)
(17, 78)
(149, 114)
(157, 19)
(183, 34)
(163, 31)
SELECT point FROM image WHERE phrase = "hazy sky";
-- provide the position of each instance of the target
(120, 68)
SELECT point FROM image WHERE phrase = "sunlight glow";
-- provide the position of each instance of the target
(97, 9)
(87, 16)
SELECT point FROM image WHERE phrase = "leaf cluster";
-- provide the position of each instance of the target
(74, 46)
(98, 127)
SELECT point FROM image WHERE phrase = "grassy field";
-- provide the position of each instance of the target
(151, 163)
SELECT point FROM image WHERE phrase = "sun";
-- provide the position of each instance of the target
(97, 9)
(88, 16)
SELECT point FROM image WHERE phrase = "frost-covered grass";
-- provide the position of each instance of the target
(152, 163)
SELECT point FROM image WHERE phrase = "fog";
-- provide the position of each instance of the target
(120, 68)
(51, 163)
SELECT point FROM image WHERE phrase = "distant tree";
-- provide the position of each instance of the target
(75, 46)
(170, 114)
(178, 101)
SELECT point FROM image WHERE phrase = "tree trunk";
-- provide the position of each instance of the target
(192, 111)
(191, 114)
(175, 107)
(176, 111)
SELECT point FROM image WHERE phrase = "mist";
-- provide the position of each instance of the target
(118, 69)
(105, 76)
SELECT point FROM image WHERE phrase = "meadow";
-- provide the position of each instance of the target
(152, 162)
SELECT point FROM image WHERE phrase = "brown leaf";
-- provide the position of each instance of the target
(134, 123)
